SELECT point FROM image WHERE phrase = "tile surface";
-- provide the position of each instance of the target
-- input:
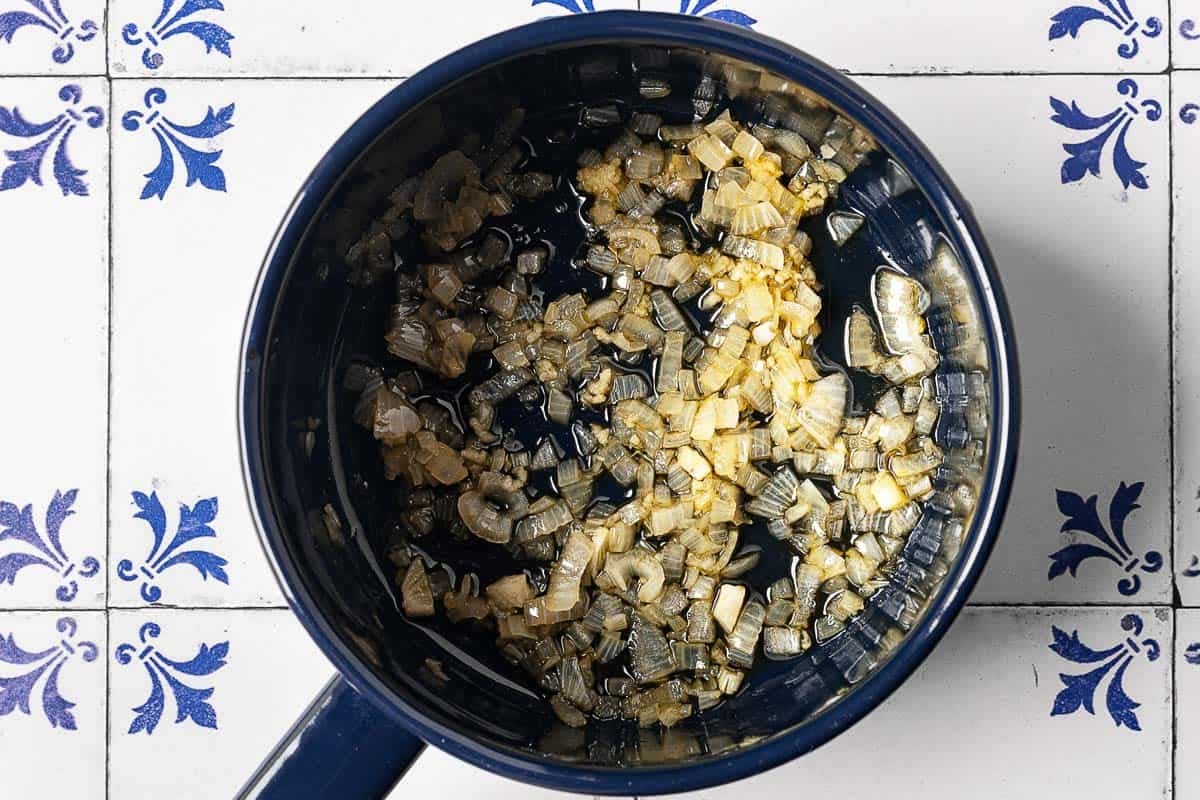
(1185, 121)
(225, 685)
(135, 605)
(1092, 331)
(185, 258)
(1185, 33)
(932, 36)
(53, 275)
(1187, 687)
(314, 37)
(52, 704)
(977, 720)
(41, 37)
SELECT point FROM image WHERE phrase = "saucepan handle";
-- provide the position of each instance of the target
(342, 746)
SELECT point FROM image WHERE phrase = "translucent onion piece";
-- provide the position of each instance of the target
(415, 591)
(559, 406)
(710, 151)
(483, 519)
(752, 219)
(780, 642)
(744, 638)
(728, 605)
(651, 658)
(862, 342)
(641, 564)
(821, 414)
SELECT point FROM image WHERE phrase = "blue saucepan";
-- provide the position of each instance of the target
(315, 484)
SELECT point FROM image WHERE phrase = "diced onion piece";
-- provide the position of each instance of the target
(747, 147)
(752, 219)
(821, 414)
(416, 592)
(559, 406)
(887, 493)
(764, 253)
(568, 571)
(728, 605)
(693, 463)
(710, 151)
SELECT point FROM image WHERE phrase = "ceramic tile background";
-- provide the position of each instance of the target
(130, 670)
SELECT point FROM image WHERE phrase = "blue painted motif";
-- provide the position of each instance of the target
(1188, 112)
(190, 702)
(1080, 690)
(25, 165)
(574, 6)
(53, 19)
(1082, 517)
(170, 24)
(193, 524)
(47, 552)
(200, 165)
(1085, 156)
(16, 691)
(700, 8)
(1116, 13)
(1187, 29)
(1192, 654)
(1193, 569)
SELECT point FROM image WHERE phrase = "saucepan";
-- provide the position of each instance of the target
(316, 487)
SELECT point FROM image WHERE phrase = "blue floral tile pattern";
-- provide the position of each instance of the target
(25, 164)
(1188, 113)
(1192, 654)
(43, 550)
(180, 23)
(16, 691)
(574, 6)
(1189, 30)
(49, 15)
(701, 8)
(1080, 689)
(1085, 157)
(200, 165)
(191, 703)
(1070, 21)
(193, 524)
(1083, 517)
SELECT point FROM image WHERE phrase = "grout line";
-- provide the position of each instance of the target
(112, 103)
(1173, 489)
(197, 608)
(1103, 606)
(104, 27)
(107, 704)
(333, 76)
(1173, 666)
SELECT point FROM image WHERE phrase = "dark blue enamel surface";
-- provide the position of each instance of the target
(330, 584)
(341, 747)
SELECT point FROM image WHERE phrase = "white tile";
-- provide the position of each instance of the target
(52, 704)
(1085, 268)
(435, 770)
(200, 732)
(1185, 121)
(54, 278)
(1185, 33)
(52, 37)
(314, 37)
(952, 36)
(1187, 689)
(184, 268)
(977, 720)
